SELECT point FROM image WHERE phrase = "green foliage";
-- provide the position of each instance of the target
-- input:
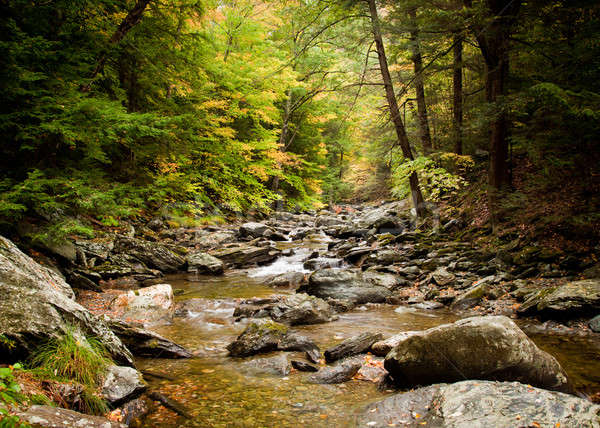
(10, 390)
(436, 182)
(73, 357)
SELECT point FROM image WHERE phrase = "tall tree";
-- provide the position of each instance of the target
(417, 60)
(457, 94)
(416, 194)
(492, 35)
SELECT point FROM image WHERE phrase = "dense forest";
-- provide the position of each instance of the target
(427, 145)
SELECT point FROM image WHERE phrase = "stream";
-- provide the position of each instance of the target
(220, 391)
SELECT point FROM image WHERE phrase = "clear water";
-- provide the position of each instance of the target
(220, 392)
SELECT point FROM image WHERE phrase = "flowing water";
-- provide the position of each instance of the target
(224, 392)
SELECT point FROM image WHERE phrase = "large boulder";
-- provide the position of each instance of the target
(246, 255)
(122, 384)
(292, 309)
(572, 299)
(491, 347)
(345, 284)
(480, 404)
(36, 304)
(146, 343)
(55, 417)
(204, 263)
(148, 305)
(152, 254)
(253, 230)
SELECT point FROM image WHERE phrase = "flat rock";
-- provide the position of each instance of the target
(36, 304)
(352, 346)
(55, 417)
(490, 347)
(246, 255)
(253, 230)
(480, 404)
(122, 384)
(145, 343)
(572, 299)
(152, 254)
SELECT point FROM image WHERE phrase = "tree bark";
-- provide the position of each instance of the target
(419, 86)
(457, 99)
(131, 20)
(417, 196)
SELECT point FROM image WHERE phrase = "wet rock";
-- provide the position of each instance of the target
(343, 372)
(204, 263)
(149, 305)
(122, 384)
(245, 255)
(134, 411)
(383, 347)
(36, 304)
(253, 230)
(427, 305)
(372, 370)
(595, 324)
(277, 365)
(344, 284)
(491, 347)
(322, 263)
(387, 257)
(297, 342)
(480, 404)
(55, 417)
(294, 309)
(152, 254)
(119, 265)
(472, 296)
(260, 336)
(304, 367)
(146, 343)
(442, 277)
(572, 299)
(352, 346)
(357, 255)
(275, 235)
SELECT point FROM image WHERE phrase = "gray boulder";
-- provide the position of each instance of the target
(572, 299)
(293, 309)
(36, 304)
(149, 305)
(595, 324)
(253, 230)
(152, 254)
(340, 373)
(481, 404)
(122, 384)
(344, 284)
(490, 347)
(55, 417)
(204, 263)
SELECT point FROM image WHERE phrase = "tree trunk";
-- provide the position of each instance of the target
(457, 99)
(133, 17)
(419, 87)
(417, 196)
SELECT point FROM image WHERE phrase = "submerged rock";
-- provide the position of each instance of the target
(294, 309)
(481, 404)
(36, 304)
(55, 417)
(491, 347)
(122, 384)
(278, 365)
(572, 299)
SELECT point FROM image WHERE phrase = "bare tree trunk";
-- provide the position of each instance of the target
(457, 101)
(133, 17)
(419, 86)
(417, 196)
